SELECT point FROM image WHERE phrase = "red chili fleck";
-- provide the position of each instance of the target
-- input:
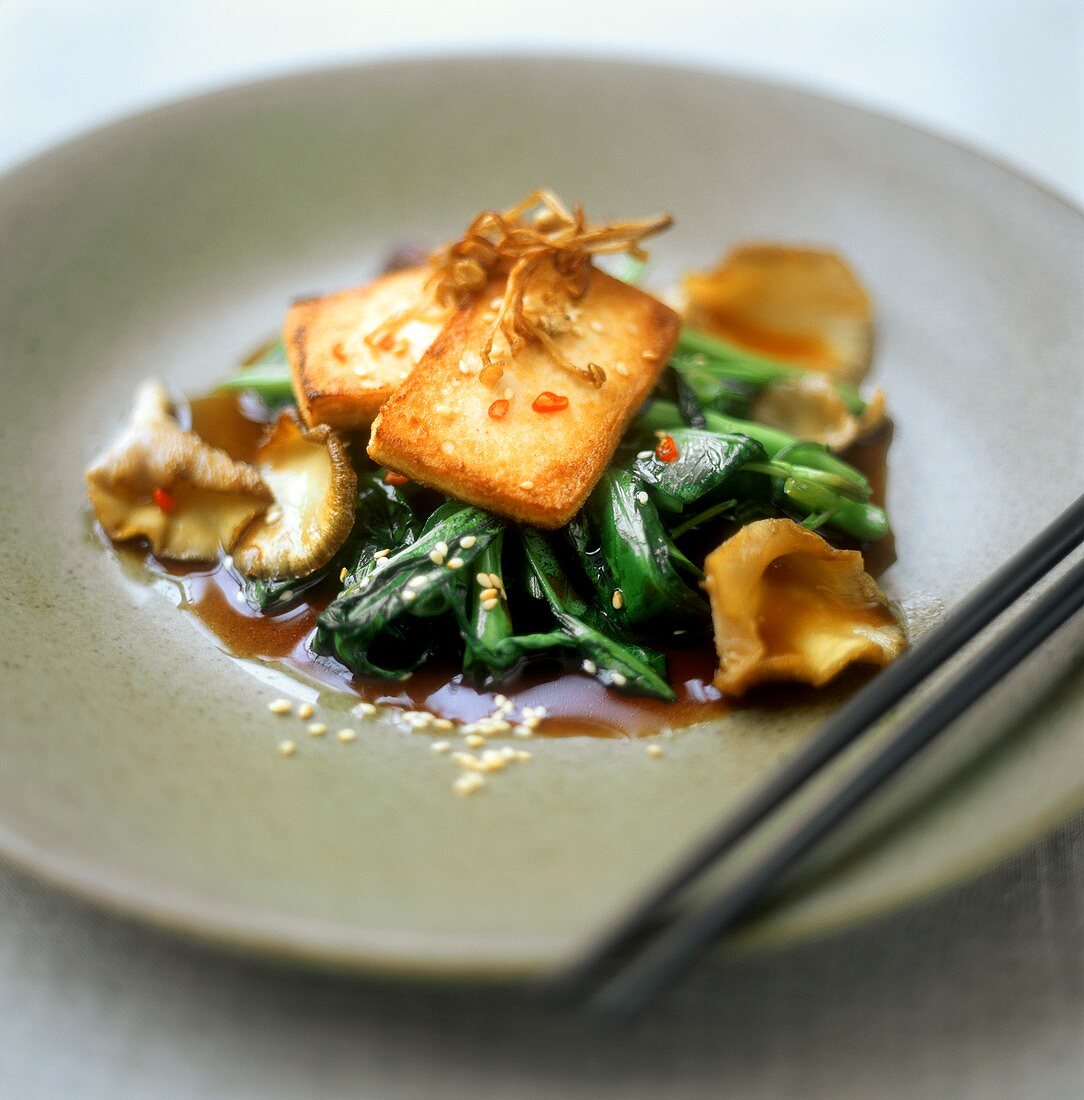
(667, 450)
(499, 409)
(392, 478)
(339, 352)
(386, 342)
(165, 500)
(547, 402)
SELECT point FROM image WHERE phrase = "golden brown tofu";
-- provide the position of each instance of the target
(533, 445)
(340, 378)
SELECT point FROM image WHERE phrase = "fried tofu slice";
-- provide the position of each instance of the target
(340, 378)
(533, 445)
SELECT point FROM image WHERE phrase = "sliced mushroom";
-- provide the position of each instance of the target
(809, 407)
(803, 306)
(160, 482)
(314, 487)
(787, 606)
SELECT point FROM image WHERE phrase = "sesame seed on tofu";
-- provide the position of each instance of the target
(534, 464)
(341, 378)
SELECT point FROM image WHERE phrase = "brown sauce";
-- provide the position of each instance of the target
(576, 704)
(805, 349)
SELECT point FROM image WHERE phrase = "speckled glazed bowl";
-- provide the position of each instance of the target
(138, 759)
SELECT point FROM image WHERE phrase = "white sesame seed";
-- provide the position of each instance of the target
(409, 596)
(620, 679)
(447, 447)
(443, 410)
(500, 700)
(488, 605)
(379, 562)
(621, 369)
(463, 759)
(455, 563)
(495, 580)
(493, 761)
(482, 579)
(443, 724)
(440, 746)
(475, 741)
(642, 497)
(418, 581)
(287, 748)
(467, 541)
(509, 394)
(589, 667)
(436, 557)
(495, 303)
(286, 596)
(650, 355)
(317, 729)
(441, 547)
(654, 751)
(507, 752)
(618, 599)
(596, 326)
(345, 736)
(382, 553)
(526, 484)
(368, 709)
(280, 706)
(305, 711)
(522, 731)
(532, 721)
(274, 514)
(644, 454)
(468, 784)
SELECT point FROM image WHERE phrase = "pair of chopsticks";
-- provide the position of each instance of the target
(619, 987)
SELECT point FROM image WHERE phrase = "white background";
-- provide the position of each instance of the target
(1006, 75)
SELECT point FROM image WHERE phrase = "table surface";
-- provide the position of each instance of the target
(976, 993)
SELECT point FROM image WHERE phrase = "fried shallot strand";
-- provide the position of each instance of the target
(521, 247)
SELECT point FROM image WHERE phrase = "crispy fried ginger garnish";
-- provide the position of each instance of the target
(537, 236)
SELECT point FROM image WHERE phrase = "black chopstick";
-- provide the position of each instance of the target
(873, 702)
(668, 955)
